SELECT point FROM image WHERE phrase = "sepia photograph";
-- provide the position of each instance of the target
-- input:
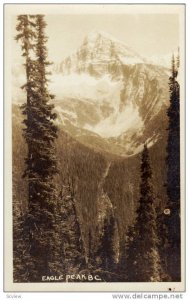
(94, 133)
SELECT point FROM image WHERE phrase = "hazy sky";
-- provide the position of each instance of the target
(147, 34)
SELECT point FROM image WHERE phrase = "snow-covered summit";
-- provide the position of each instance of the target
(99, 54)
(107, 96)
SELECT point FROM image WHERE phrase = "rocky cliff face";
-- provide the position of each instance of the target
(109, 97)
(99, 54)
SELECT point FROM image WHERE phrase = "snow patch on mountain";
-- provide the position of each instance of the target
(130, 60)
(64, 111)
(86, 88)
(162, 60)
(118, 122)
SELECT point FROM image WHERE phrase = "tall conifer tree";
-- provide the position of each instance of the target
(23, 263)
(142, 253)
(71, 236)
(173, 176)
(106, 251)
(40, 134)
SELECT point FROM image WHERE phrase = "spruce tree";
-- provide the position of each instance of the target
(22, 262)
(90, 250)
(71, 236)
(122, 264)
(106, 249)
(173, 176)
(40, 134)
(142, 250)
(173, 145)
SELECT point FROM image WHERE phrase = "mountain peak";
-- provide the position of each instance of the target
(100, 54)
(95, 34)
(103, 45)
(99, 38)
(102, 37)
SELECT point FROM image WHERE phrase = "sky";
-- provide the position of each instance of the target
(147, 34)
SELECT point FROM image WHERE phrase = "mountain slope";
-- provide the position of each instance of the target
(102, 183)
